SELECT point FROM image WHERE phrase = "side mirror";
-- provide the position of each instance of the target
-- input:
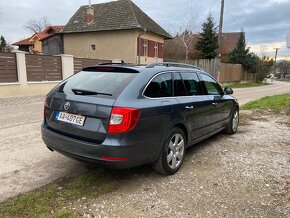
(228, 91)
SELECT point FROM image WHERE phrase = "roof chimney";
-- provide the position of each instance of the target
(90, 13)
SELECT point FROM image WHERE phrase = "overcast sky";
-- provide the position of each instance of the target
(266, 22)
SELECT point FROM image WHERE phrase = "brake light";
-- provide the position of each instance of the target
(123, 119)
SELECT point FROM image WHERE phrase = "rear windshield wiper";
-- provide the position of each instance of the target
(87, 92)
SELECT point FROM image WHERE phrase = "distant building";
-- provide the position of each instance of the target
(34, 44)
(112, 30)
(174, 50)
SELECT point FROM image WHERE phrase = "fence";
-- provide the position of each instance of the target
(26, 74)
(43, 68)
(40, 68)
(8, 68)
(80, 63)
(229, 73)
(210, 66)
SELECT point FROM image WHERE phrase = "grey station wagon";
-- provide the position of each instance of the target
(125, 116)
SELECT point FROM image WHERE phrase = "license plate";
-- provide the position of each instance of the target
(70, 118)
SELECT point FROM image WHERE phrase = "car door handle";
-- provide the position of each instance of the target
(189, 107)
(214, 104)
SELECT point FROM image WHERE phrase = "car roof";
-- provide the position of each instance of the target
(154, 68)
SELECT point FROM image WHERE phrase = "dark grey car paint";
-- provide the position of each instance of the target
(207, 116)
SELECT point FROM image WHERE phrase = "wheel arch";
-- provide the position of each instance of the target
(184, 129)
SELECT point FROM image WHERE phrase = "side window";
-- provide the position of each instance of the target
(160, 86)
(179, 89)
(213, 88)
(191, 83)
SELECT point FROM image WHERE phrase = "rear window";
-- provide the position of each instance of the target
(108, 84)
(160, 86)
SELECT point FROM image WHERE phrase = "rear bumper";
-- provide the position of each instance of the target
(134, 155)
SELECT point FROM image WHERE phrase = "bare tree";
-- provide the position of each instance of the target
(37, 25)
(186, 30)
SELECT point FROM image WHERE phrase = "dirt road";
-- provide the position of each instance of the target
(26, 164)
(245, 95)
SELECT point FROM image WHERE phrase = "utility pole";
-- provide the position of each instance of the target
(221, 25)
(218, 59)
(276, 54)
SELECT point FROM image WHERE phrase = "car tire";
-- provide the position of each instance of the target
(233, 124)
(172, 153)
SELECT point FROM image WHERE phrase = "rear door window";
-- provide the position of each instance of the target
(191, 83)
(160, 86)
(109, 84)
(179, 88)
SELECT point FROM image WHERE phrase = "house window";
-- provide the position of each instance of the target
(93, 47)
(145, 48)
(156, 49)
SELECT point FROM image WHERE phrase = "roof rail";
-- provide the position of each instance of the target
(169, 64)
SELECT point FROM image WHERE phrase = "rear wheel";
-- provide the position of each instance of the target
(233, 124)
(172, 153)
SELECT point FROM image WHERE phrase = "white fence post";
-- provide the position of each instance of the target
(67, 64)
(21, 67)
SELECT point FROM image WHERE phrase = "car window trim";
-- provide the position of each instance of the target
(172, 97)
(160, 73)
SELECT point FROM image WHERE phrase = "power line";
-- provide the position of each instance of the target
(241, 10)
(234, 15)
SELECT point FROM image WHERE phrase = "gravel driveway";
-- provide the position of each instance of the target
(244, 175)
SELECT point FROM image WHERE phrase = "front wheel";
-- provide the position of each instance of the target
(233, 124)
(172, 153)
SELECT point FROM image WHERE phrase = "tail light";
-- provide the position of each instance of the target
(123, 119)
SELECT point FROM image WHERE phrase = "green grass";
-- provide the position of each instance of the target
(246, 85)
(51, 200)
(276, 102)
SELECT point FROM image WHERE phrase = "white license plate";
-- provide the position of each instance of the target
(70, 118)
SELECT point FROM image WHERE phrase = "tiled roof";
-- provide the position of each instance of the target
(41, 35)
(57, 28)
(116, 15)
(229, 42)
(23, 42)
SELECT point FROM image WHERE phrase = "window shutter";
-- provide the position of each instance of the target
(160, 50)
(151, 49)
(141, 48)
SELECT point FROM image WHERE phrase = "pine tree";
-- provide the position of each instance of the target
(242, 55)
(207, 44)
(3, 43)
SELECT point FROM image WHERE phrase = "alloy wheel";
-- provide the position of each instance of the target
(175, 151)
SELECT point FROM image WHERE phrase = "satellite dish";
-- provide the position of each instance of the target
(288, 40)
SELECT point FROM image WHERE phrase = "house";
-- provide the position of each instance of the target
(34, 43)
(174, 49)
(229, 43)
(114, 30)
(24, 45)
